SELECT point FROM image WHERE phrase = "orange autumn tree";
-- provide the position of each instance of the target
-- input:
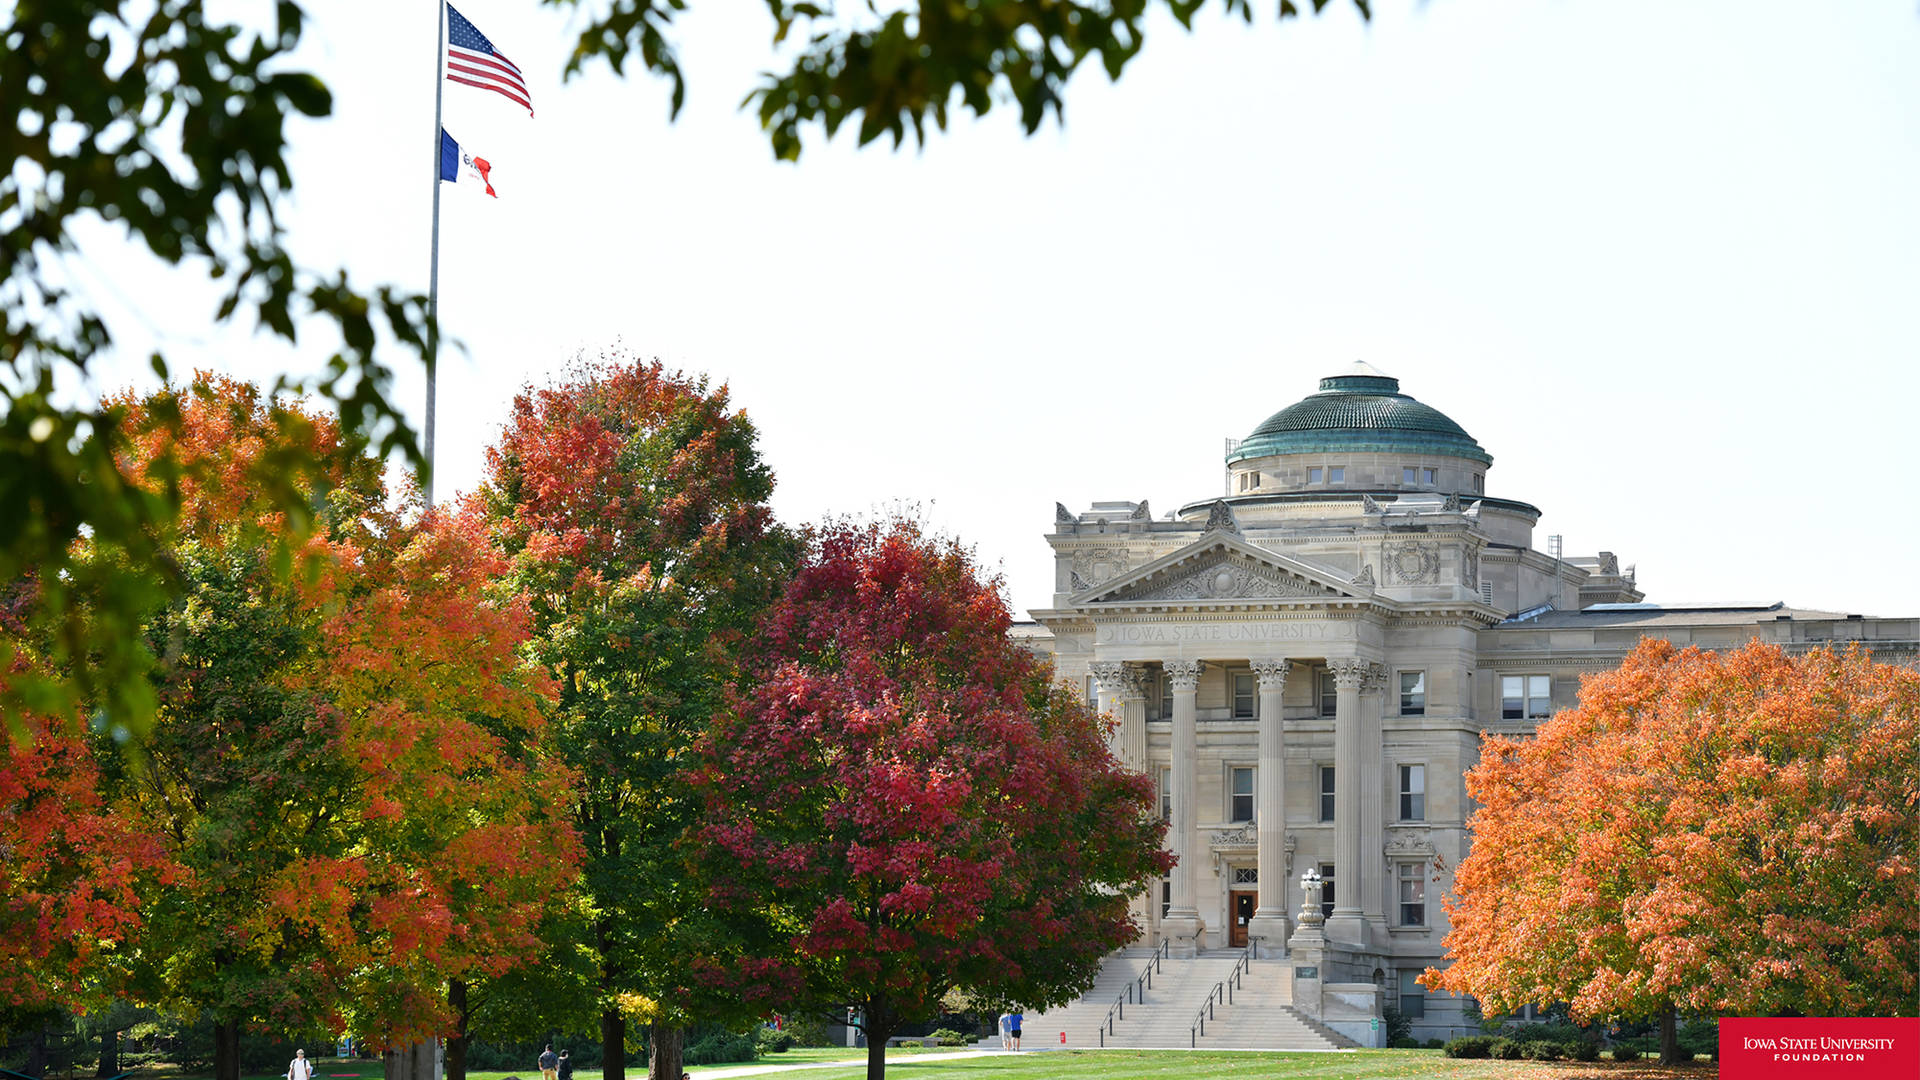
(345, 759)
(1714, 833)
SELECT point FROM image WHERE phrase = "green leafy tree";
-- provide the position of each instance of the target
(342, 769)
(635, 505)
(169, 120)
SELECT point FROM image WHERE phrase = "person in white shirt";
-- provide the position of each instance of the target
(301, 1068)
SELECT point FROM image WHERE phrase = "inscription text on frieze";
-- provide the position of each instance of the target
(1115, 634)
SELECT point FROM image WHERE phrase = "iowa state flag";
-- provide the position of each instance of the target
(455, 160)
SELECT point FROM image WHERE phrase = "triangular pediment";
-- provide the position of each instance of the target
(1222, 567)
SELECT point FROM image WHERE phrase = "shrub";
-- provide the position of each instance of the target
(1543, 1051)
(1701, 1035)
(808, 1031)
(1399, 1028)
(1506, 1049)
(950, 1037)
(1468, 1046)
(769, 1041)
(1625, 1052)
(721, 1047)
(1584, 1050)
(1433, 1044)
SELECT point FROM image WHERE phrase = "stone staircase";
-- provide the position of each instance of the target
(1261, 1016)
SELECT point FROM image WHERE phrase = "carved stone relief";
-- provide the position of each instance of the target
(1415, 563)
(1220, 518)
(1095, 566)
(1222, 577)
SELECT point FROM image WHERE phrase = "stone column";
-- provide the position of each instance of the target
(1347, 924)
(1373, 837)
(1110, 684)
(1269, 926)
(1182, 923)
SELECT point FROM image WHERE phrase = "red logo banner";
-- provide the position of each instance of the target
(1820, 1048)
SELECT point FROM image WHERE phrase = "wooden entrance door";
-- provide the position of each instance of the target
(1240, 903)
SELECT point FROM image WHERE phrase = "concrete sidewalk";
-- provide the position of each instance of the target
(859, 1062)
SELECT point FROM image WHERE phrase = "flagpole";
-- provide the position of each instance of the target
(433, 275)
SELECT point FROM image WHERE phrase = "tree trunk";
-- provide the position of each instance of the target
(666, 1052)
(880, 1024)
(613, 1045)
(1670, 1040)
(457, 1043)
(226, 1050)
(37, 1052)
(109, 1054)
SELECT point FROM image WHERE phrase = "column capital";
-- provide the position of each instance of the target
(1351, 673)
(1376, 679)
(1116, 677)
(1184, 673)
(1272, 673)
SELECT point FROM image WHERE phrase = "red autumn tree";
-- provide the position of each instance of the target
(344, 758)
(634, 502)
(71, 871)
(1727, 834)
(901, 802)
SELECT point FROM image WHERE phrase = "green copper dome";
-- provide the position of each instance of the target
(1359, 410)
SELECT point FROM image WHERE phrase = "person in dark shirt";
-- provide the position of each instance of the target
(566, 1065)
(549, 1064)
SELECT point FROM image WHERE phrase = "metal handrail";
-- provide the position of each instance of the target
(1141, 983)
(1222, 992)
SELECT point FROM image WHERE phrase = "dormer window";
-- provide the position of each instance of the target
(1249, 481)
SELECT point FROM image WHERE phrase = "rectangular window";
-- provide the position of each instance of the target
(1243, 695)
(1413, 693)
(1479, 482)
(1166, 697)
(1407, 475)
(1166, 794)
(1413, 996)
(1313, 474)
(1326, 890)
(1525, 697)
(1430, 477)
(1166, 896)
(1413, 793)
(1413, 894)
(1326, 793)
(1240, 798)
(1329, 693)
(1336, 474)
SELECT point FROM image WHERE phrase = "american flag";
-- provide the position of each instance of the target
(473, 61)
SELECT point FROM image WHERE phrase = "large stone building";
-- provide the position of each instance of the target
(1308, 663)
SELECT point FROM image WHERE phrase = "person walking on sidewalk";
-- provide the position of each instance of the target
(1013, 1028)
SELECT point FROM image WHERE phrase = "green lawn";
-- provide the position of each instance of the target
(924, 1064)
(1168, 1064)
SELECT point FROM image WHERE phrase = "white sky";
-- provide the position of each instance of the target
(1662, 261)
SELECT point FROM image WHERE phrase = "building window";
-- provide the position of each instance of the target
(1329, 693)
(1243, 695)
(1166, 896)
(1413, 996)
(1407, 474)
(1326, 793)
(1166, 794)
(1166, 697)
(1249, 481)
(1479, 482)
(1413, 693)
(1313, 474)
(1525, 697)
(1413, 793)
(1413, 894)
(1246, 875)
(1240, 793)
(1326, 889)
(1336, 474)
(1430, 477)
